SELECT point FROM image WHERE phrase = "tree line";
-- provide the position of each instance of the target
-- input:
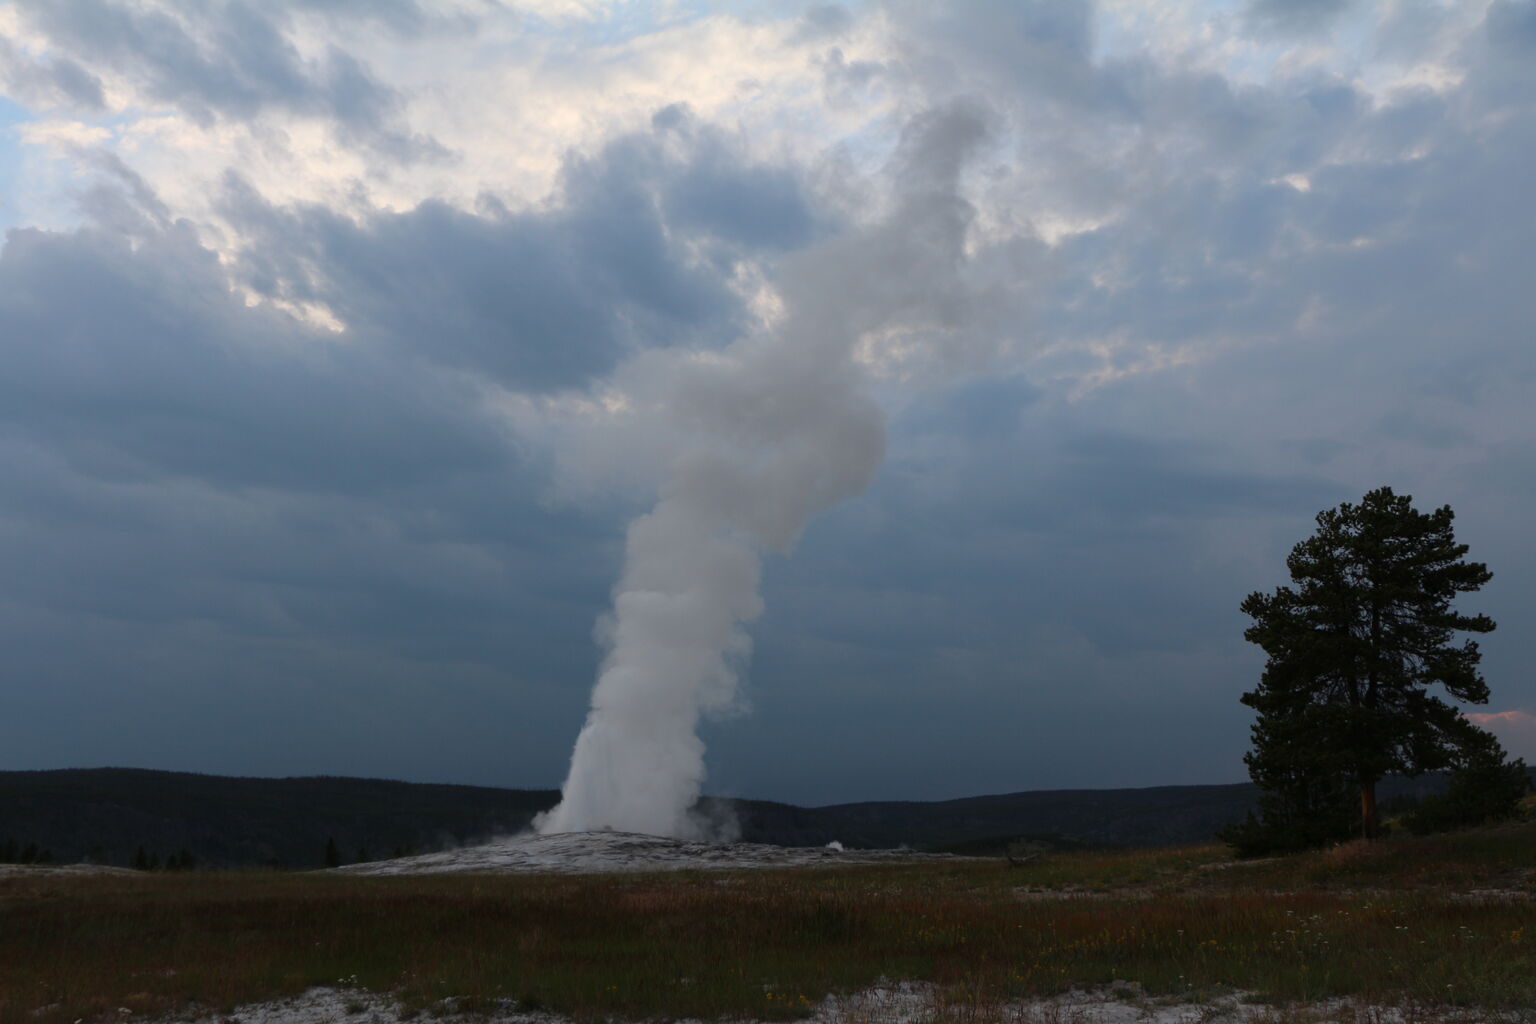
(12, 852)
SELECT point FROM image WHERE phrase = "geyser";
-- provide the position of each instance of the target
(776, 428)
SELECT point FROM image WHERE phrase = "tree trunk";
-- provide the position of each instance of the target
(1369, 827)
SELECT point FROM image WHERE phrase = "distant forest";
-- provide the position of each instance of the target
(174, 820)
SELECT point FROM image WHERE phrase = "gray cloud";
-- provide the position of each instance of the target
(402, 16)
(57, 81)
(233, 60)
(1292, 17)
(550, 298)
(1041, 47)
(139, 357)
(1512, 24)
(822, 22)
(217, 520)
(713, 193)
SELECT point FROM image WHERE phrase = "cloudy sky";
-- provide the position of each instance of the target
(332, 330)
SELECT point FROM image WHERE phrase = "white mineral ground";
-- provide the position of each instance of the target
(897, 1003)
(61, 870)
(594, 852)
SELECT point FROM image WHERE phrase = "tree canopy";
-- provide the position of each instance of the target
(1354, 646)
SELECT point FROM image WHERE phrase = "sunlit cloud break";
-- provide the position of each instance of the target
(1515, 717)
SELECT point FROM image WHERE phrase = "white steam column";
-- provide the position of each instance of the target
(779, 426)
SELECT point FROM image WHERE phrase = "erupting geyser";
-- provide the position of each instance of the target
(779, 426)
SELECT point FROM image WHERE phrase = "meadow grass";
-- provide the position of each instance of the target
(1391, 923)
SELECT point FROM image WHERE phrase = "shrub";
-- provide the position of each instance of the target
(1488, 789)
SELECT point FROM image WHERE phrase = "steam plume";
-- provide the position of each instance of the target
(778, 427)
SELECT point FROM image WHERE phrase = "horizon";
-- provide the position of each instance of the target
(703, 796)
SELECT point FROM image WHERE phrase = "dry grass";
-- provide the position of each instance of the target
(1388, 924)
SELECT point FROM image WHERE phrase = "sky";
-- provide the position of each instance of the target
(337, 338)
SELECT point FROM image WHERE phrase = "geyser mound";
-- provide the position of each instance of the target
(606, 852)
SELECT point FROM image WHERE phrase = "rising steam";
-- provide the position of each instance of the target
(779, 427)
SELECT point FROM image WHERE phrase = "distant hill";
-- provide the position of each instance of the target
(1152, 816)
(108, 815)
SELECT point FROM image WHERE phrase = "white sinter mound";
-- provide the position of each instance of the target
(900, 1003)
(584, 852)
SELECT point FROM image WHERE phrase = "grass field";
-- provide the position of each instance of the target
(1449, 921)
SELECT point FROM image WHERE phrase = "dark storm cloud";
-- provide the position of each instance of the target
(551, 298)
(505, 294)
(217, 519)
(136, 357)
(1058, 602)
(230, 59)
(129, 356)
(754, 207)
(1065, 521)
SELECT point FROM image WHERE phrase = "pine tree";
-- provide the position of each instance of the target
(1353, 648)
(332, 854)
